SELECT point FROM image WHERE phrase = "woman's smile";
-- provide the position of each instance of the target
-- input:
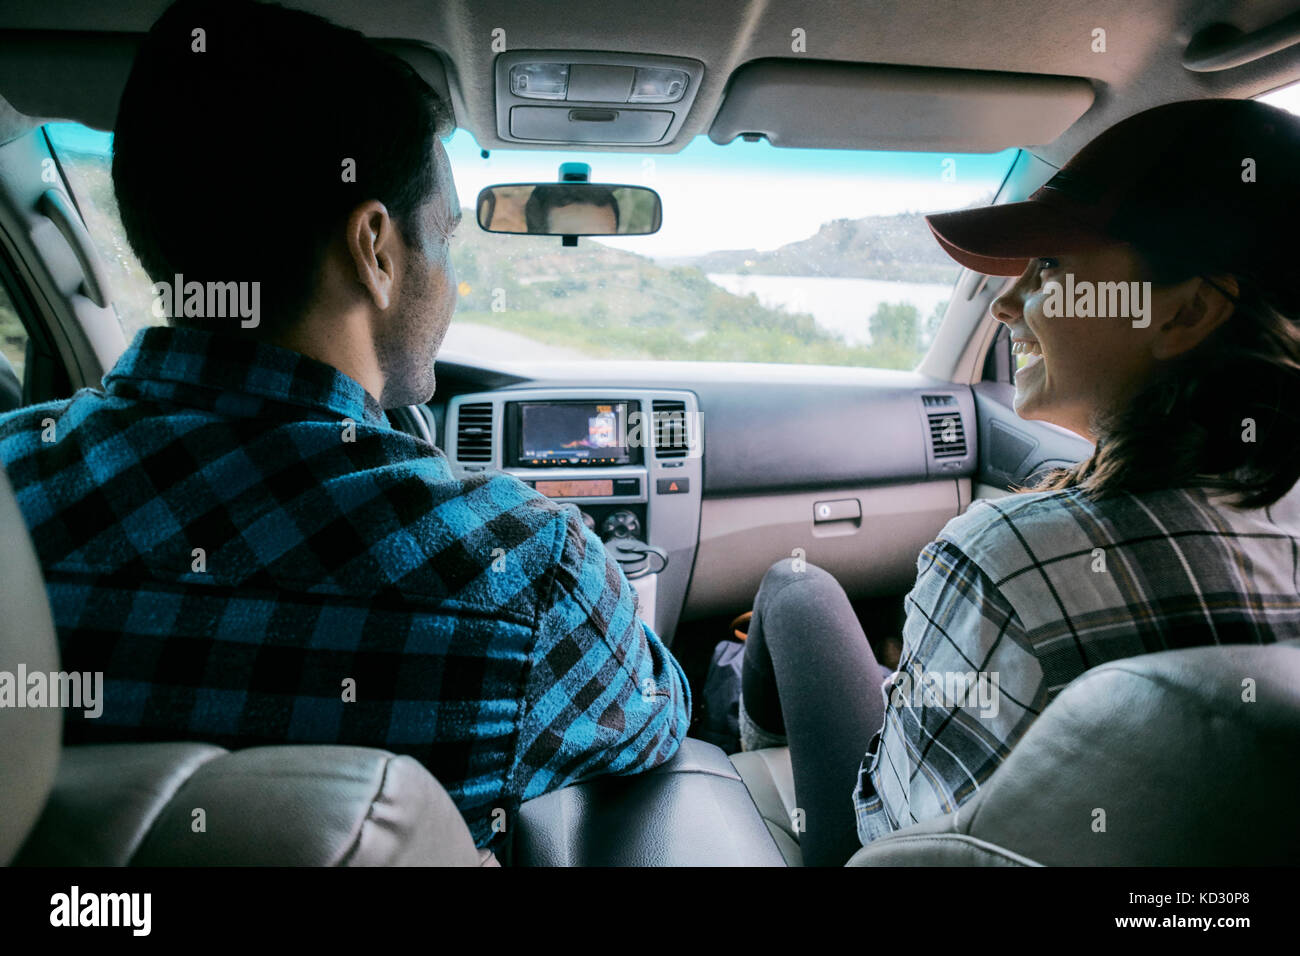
(1031, 348)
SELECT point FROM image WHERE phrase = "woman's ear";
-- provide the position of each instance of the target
(1206, 304)
(371, 238)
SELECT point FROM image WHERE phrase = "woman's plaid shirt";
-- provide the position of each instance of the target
(235, 537)
(1021, 595)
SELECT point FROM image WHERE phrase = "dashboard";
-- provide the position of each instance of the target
(711, 472)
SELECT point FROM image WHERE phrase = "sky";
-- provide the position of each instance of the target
(1286, 97)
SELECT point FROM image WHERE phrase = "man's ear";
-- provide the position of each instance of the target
(1202, 310)
(372, 245)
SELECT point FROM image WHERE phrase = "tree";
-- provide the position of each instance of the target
(897, 324)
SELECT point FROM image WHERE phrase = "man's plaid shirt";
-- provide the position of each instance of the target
(1034, 589)
(233, 534)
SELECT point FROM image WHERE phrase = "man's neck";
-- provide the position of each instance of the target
(342, 340)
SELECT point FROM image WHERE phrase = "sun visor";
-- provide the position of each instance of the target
(57, 74)
(834, 105)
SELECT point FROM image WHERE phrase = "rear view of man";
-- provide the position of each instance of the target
(232, 533)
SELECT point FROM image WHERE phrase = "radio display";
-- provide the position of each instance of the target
(577, 488)
(572, 433)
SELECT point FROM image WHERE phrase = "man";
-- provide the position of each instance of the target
(572, 210)
(232, 533)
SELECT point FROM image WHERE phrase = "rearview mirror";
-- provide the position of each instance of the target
(569, 209)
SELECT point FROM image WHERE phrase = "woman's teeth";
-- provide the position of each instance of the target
(1031, 350)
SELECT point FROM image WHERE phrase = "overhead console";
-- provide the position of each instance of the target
(564, 97)
(630, 461)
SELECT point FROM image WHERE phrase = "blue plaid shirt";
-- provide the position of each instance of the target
(236, 538)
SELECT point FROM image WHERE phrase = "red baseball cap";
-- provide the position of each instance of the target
(1214, 183)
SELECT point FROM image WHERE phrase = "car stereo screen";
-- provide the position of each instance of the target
(576, 488)
(591, 433)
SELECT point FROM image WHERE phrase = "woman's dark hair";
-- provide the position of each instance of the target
(246, 134)
(1224, 416)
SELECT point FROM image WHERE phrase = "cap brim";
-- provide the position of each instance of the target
(1000, 240)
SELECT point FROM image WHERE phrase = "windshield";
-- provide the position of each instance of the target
(765, 255)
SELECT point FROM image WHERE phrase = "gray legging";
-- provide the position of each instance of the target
(809, 674)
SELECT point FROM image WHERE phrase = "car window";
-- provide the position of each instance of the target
(1284, 97)
(13, 336)
(765, 255)
(85, 156)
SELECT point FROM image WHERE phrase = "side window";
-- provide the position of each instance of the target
(1000, 364)
(13, 354)
(86, 158)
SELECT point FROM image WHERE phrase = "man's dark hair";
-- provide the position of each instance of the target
(235, 134)
(537, 210)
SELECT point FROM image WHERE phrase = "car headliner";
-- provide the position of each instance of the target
(1145, 41)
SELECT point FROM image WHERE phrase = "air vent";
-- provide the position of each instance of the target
(474, 432)
(947, 435)
(939, 401)
(671, 439)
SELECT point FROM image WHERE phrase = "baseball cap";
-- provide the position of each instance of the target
(1213, 183)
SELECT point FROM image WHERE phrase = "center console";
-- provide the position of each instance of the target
(629, 461)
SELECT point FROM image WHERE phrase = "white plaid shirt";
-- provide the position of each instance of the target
(1019, 596)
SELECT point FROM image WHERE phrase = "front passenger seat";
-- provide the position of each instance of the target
(1179, 758)
(176, 804)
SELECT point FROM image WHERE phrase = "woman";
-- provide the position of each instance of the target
(1158, 304)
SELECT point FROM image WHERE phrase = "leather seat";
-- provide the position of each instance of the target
(692, 810)
(173, 804)
(768, 775)
(169, 804)
(1181, 758)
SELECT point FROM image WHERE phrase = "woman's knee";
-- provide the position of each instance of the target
(794, 579)
(795, 569)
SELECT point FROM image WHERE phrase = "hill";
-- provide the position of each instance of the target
(898, 248)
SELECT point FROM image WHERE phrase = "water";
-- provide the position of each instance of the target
(842, 306)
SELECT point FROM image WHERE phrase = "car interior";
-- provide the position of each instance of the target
(772, 326)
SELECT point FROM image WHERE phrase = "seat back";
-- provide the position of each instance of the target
(1181, 758)
(29, 736)
(169, 804)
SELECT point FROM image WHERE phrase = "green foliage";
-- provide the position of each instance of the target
(896, 324)
(608, 303)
